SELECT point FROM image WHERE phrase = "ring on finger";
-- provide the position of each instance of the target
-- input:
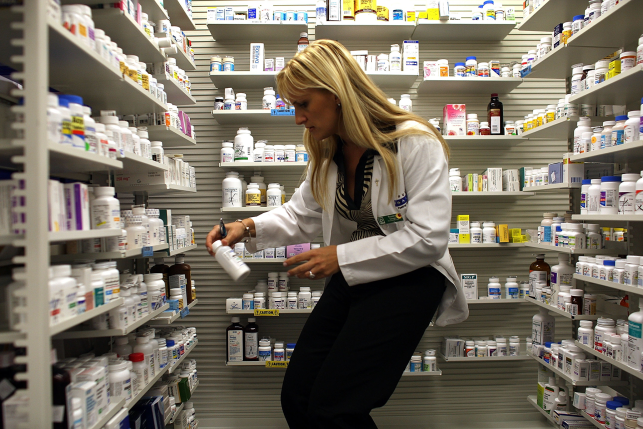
(311, 275)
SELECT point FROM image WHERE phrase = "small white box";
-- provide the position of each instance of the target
(606, 371)
(247, 254)
(280, 252)
(431, 69)
(77, 207)
(257, 55)
(229, 14)
(86, 391)
(6, 189)
(470, 285)
(280, 63)
(269, 253)
(452, 347)
(334, 10)
(269, 64)
(57, 221)
(494, 177)
(16, 411)
(233, 304)
(411, 56)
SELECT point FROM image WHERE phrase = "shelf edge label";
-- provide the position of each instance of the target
(282, 112)
(266, 312)
(147, 252)
(276, 364)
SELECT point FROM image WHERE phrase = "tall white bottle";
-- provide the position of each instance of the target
(543, 327)
(635, 337)
(561, 275)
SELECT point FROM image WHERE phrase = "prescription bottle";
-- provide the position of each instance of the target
(484, 129)
(550, 114)
(566, 34)
(628, 60)
(473, 125)
(483, 70)
(471, 66)
(609, 194)
(459, 70)
(443, 65)
(253, 195)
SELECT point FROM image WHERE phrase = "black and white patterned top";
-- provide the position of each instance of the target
(359, 210)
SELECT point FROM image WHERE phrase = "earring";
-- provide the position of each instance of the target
(339, 104)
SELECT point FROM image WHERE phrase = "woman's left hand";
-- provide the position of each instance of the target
(321, 263)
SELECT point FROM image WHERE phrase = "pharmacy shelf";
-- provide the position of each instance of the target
(183, 59)
(128, 254)
(176, 251)
(578, 383)
(253, 31)
(158, 189)
(133, 163)
(194, 387)
(470, 246)
(130, 36)
(591, 419)
(281, 312)
(178, 15)
(560, 312)
(255, 116)
(393, 79)
(422, 374)
(351, 31)
(625, 153)
(170, 369)
(608, 218)
(484, 359)
(169, 419)
(494, 301)
(534, 402)
(625, 288)
(264, 261)
(626, 88)
(549, 248)
(115, 91)
(247, 363)
(170, 136)
(468, 86)
(7, 240)
(247, 209)
(560, 129)
(241, 80)
(83, 235)
(623, 366)
(618, 27)
(464, 30)
(9, 337)
(88, 315)
(551, 13)
(548, 188)
(155, 12)
(487, 141)
(161, 320)
(95, 333)
(114, 407)
(557, 64)
(276, 167)
(490, 194)
(176, 94)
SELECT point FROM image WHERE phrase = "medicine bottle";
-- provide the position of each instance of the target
(243, 145)
(627, 193)
(291, 301)
(228, 63)
(494, 288)
(280, 153)
(406, 103)
(251, 340)
(382, 63)
(495, 116)
(241, 103)
(120, 383)
(543, 327)
(459, 70)
(632, 126)
(284, 280)
(618, 131)
(302, 43)
(471, 66)
(273, 195)
(260, 147)
(75, 105)
(259, 180)
(279, 352)
(259, 301)
(305, 298)
(489, 232)
(483, 70)
(476, 233)
(230, 262)
(105, 209)
(395, 59)
(484, 129)
(473, 124)
(594, 197)
(176, 294)
(539, 271)
(229, 104)
(265, 351)
(234, 341)
(301, 155)
(609, 194)
(232, 190)
(638, 205)
(290, 153)
(455, 181)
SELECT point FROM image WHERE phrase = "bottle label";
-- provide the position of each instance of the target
(251, 344)
(495, 124)
(638, 202)
(609, 198)
(231, 197)
(235, 345)
(634, 344)
(253, 200)
(626, 202)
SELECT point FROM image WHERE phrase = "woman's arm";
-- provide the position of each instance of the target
(425, 236)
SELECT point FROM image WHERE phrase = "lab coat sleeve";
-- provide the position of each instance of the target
(297, 221)
(424, 238)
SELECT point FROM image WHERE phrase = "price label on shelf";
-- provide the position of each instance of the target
(185, 312)
(148, 252)
(524, 72)
(266, 312)
(282, 112)
(276, 364)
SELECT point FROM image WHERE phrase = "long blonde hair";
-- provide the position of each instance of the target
(365, 110)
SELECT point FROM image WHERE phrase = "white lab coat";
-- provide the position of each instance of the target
(419, 239)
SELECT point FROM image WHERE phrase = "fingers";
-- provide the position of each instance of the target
(211, 238)
(302, 270)
(306, 256)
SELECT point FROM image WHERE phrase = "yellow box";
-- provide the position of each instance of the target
(433, 14)
(423, 15)
(502, 232)
(614, 69)
(463, 227)
(515, 232)
(410, 16)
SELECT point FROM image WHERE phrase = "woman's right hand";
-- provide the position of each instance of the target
(235, 232)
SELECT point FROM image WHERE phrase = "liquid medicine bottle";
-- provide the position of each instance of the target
(234, 341)
(302, 43)
(251, 340)
(539, 271)
(495, 116)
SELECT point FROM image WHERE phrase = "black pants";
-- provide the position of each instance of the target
(354, 348)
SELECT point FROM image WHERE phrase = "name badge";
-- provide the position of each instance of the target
(392, 218)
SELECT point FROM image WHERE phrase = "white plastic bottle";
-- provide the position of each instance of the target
(273, 195)
(243, 145)
(406, 103)
(494, 289)
(543, 327)
(253, 195)
(476, 233)
(618, 131)
(232, 190)
(305, 298)
(269, 100)
(627, 193)
(561, 275)
(489, 232)
(135, 232)
(606, 134)
(105, 209)
(584, 195)
(638, 202)
(455, 180)
(227, 152)
(230, 262)
(582, 127)
(635, 341)
(593, 197)
(395, 59)
(145, 223)
(632, 126)
(156, 147)
(143, 346)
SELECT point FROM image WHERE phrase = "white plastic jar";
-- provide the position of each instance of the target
(111, 279)
(586, 333)
(628, 60)
(241, 103)
(618, 132)
(135, 232)
(494, 288)
(269, 153)
(280, 153)
(227, 151)
(154, 282)
(243, 145)
(301, 155)
(382, 63)
(489, 232)
(105, 209)
(143, 346)
(253, 195)
(606, 134)
(594, 197)
(632, 126)
(120, 382)
(273, 195)
(577, 75)
(455, 181)
(232, 190)
(290, 153)
(473, 124)
(476, 233)
(627, 193)
(609, 194)
(305, 298)
(260, 146)
(269, 100)
(406, 103)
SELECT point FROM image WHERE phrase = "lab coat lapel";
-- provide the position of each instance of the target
(327, 219)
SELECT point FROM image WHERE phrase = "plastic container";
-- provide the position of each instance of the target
(232, 190)
(120, 382)
(628, 60)
(230, 262)
(105, 209)
(609, 194)
(632, 126)
(489, 232)
(594, 197)
(406, 103)
(473, 125)
(494, 288)
(243, 145)
(618, 131)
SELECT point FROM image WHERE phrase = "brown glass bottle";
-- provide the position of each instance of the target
(302, 43)
(495, 116)
(251, 340)
(180, 267)
(161, 268)
(539, 271)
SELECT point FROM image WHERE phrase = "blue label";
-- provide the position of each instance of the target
(402, 201)
(216, 67)
(547, 234)
(398, 15)
(147, 252)
(620, 137)
(282, 112)
(494, 291)
(512, 291)
(185, 312)
(252, 13)
(524, 72)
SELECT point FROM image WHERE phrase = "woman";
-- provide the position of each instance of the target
(377, 188)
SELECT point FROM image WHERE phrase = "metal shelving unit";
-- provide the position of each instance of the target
(82, 235)
(484, 359)
(128, 254)
(177, 251)
(160, 320)
(548, 188)
(577, 383)
(88, 315)
(625, 288)
(562, 312)
(470, 246)
(532, 400)
(626, 153)
(465, 86)
(614, 362)
(550, 13)
(464, 30)
(608, 218)
(178, 14)
(569, 251)
(229, 31)
(171, 137)
(159, 189)
(349, 31)
(422, 373)
(175, 93)
(560, 129)
(253, 116)
(626, 88)
(133, 163)
(273, 167)
(490, 194)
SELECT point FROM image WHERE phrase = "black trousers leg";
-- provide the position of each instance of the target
(354, 348)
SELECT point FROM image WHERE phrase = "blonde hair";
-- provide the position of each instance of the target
(365, 110)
